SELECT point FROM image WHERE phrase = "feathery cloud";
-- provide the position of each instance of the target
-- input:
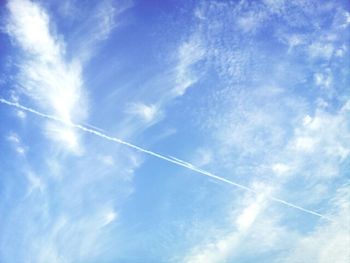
(45, 75)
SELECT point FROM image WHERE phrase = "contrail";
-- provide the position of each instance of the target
(172, 160)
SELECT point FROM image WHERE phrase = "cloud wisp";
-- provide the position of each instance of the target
(175, 161)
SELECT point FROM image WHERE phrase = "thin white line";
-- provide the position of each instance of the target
(173, 160)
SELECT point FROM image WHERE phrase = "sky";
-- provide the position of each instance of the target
(180, 131)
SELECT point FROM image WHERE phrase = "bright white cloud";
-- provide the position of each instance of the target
(29, 25)
(62, 134)
(45, 75)
(109, 217)
(280, 168)
(330, 241)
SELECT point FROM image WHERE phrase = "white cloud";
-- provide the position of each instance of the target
(21, 114)
(342, 19)
(80, 224)
(257, 230)
(13, 137)
(225, 246)
(109, 217)
(304, 143)
(321, 50)
(318, 147)
(293, 41)
(35, 183)
(280, 168)
(15, 140)
(105, 15)
(147, 113)
(69, 238)
(189, 54)
(203, 157)
(340, 52)
(29, 24)
(330, 241)
(107, 160)
(250, 21)
(14, 97)
(307, 120)
(62, 134)
(248, 216)
(45, 76)
(316, 152)
(183, 76)
(96, 25)
(20, 150)
(325, 133)
(323, 79)
(198, 13)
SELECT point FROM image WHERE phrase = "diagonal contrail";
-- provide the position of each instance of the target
(173, 160)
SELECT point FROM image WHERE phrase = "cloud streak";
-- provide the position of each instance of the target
(172, 160)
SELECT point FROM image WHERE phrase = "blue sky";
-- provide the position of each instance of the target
(217, 94)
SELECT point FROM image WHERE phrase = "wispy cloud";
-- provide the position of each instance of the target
(15, 140)
(96, 25)
(35, 183)
(189, 53)
(178, 79)
(45, 75)
(106, 17)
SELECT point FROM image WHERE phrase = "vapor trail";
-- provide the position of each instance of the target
(173, 160)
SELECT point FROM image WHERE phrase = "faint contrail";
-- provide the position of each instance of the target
(160, 156)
